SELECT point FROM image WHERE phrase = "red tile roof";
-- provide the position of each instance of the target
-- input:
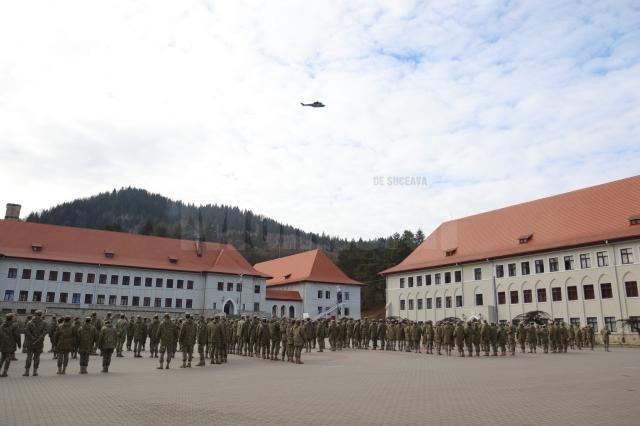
(313, 265)
(89, 246)
(576, 218)
(273, 294)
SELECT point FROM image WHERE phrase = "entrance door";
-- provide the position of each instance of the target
(228, 308)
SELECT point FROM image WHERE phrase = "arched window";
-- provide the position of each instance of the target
(292, 312)
(274, 311)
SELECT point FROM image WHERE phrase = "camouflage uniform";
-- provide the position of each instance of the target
(107, 343)
(187, 339)
(121, 333)
(34, 334)
(65, 342)
(153, 337)
(87, 338)
(9, 340)
(166, 337)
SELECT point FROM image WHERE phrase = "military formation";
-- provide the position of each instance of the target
(275, 339)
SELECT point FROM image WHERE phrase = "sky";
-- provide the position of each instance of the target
(434, 110)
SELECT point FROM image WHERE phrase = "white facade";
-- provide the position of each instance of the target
(26, 285)
(593, 292)
(339, 300)
(284, 308)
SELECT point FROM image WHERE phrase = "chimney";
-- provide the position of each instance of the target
(13, 212)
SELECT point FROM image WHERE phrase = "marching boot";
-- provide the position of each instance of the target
(4, 372)
(35, 372)
(160, 367)
(189, 364)
(26, 372)
(64, 370)
(59, 370)
(184, 364)
(167, 367)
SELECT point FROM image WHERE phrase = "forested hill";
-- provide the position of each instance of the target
(257, 237)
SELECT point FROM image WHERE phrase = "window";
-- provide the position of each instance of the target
(180, 284)
(542, 295)
(512, 269)
(410, 282)
(610, 323)
(319, 294)
(189, 303)
(77, 278)
(148, 282)
(220, 285)
(568, 263)
(402, 307)
(146, 302)
(229, 286)
(593, 323)
(411, 304)
(438, 302)
(53, 275)
(37, 296)
(427, 280)
(401, 282)
(159, 282)
(8, 295)
(479, 301)
(514, 297)
(585, 261)
(553, 264)
(572, 292)
(23, 296)
(40, 274)
(447, 277)
(419, 304)
(135, 301)
(524, 268)
(603, 258)
(527, 296)
(178, 303)
(556, 294)
(13, 273)
(238, 286)
(26, 274)
(319, 309)
(75, 298)
(256, 289)
(539, 265)
(327, 295)
(169, 283)
(346, 295)
(157, 302)
(102, 279)
(499, 271)
(189, 285)
(91, 278)
(88, 299)
(574, 321)
(66, 277)
(447, 302)
(346, 311)
(113, 299)
(63, 298)
(502, 298)
(124, 300)
(631, 288)
(114, 279)
(477, 274)
(458, 301)
(419, 281)
(256, 307)
(51, 297)
(167, 302)
(605, 291)
(457, 276)
(626, 256)
(429, 304)
(589, 293)
(437, 278)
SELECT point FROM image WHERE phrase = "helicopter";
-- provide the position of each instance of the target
(316, 104)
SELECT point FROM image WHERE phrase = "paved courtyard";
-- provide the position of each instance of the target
(342, 388)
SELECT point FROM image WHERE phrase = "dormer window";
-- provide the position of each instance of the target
(36, 247)
(524, 239)
(634, 220)
(173, 260)
(109, 254)
(450, 252)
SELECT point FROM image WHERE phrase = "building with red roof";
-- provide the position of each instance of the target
(325, 290)
(573, 256)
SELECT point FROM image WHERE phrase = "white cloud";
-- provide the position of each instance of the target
(495, 104)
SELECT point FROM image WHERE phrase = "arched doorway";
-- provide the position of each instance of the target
(282, 310)
(229, 309)
(274, 311)
(292, 312)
